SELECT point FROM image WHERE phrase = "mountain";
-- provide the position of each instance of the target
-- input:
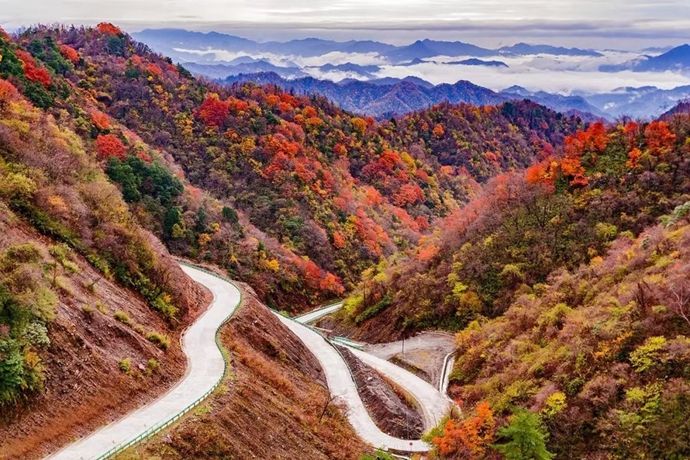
(390, 97)
(674, 60)
(221, 71)
(643, 102)
(478, 62)
(682, 108)
(360, 71)
(174, 41)
(428, 48)
(381, 98)
(523, 49)
(567, 284)
(556, 249)
(558, 102)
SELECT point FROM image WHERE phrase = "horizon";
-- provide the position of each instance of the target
(287, 35)
(638, 25)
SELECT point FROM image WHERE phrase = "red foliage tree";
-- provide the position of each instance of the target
(8, 92)
(237, 105)
(588, 143)
(32, 71)
(154, 69)
(468, 438)
(110, 146)
(408, 194)
(213, 111)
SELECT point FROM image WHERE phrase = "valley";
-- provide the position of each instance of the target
(269, 267)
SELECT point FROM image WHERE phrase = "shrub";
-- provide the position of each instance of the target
(162, 341)
(152, 365)
(125, 365)
(122, 317)
(649, 354)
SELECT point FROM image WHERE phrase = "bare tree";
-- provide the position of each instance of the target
(679, 297)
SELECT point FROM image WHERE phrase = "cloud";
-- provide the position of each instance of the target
(557, 80)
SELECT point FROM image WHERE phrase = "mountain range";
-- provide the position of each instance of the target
(674, 60)
(388, 97)
(179, 42)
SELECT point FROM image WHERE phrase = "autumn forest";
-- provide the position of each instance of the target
(554, 247)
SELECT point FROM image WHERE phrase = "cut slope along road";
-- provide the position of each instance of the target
(344, 390)
(205, 369)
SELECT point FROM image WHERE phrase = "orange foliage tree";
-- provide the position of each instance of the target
(69, 53)
(468, 438)
(439, 130)
(108, 29)
(100, 120)
(659, 138)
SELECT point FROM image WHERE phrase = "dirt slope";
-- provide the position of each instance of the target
(271, 406)
(85, 386)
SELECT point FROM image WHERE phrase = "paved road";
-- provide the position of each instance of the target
(318, 313)
(343, 388)
(426, 351)
(205, 367)
(433, 404)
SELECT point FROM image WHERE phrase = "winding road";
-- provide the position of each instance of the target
(205, 369)
(318, 313)
(433, 404)
(344, 390)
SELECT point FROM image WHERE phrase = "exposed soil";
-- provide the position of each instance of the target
(84, 386)
(387, 404)
(274, 404)
(423, 353)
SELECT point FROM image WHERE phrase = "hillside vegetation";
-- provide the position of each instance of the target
(569, 286)
(560, 213)
(557, 250)
(298, 196)
(90, 302)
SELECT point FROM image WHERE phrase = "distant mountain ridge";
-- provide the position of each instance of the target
(389, 97)
(175, 41)
(675, 59)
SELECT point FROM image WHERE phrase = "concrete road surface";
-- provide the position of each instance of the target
(205, 367)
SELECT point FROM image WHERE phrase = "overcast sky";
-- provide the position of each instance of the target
(591, 23)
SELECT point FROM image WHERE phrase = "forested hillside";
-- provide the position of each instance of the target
(289, 193)
(104, 141)
(555, 248)
(569, 285)
(91, 304)
(560, 213)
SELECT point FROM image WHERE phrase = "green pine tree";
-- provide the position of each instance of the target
(525, 438)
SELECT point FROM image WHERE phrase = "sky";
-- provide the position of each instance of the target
(620, 24)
